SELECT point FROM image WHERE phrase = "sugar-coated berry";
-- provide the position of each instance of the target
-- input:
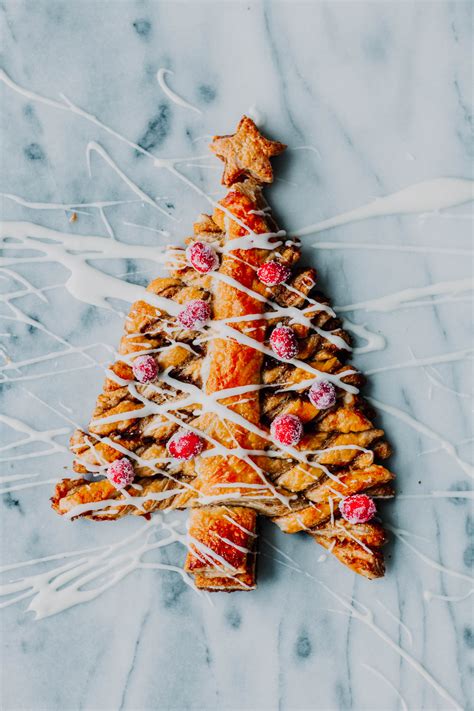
(287, 429)
(144, 368)
(283, 342)
(185, 444)
(120, 472)
(322, 394)
(273, 273)
(195, 314)
(358, 508)
(202, 257)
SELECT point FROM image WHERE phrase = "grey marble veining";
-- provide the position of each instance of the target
(381, 93)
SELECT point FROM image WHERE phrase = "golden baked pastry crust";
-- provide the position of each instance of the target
(221, 540)
(341, 451)
(246, 152)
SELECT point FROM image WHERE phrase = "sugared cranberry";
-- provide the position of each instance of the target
(195, 314)
(283, 342)
(185, 444)
(322, 394)
(120, 472)
(358, 508)
(287, 429)
(144, 368)
(202, 257)
(273, 273)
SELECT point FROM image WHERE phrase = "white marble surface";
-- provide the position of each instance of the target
(381, 91)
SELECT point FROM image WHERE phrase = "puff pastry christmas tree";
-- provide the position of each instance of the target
(233, 397)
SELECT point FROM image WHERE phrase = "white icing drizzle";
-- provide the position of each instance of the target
(231, 520)
(64, 587)
(379, 674)
(451, 494)
(94, 147)
(366, 616)
(160, 77)
(115, 505)
(148, 463)
(54, 592)
(69, 350)
(106, 222)
(86, 282)
(436, 380)
(301, 316)
(68, 207)
(374, 341)
(437, 194)
(312, 149)
(401, 535)
(375, 246)
(208, 403)
(242, 549)
(410, 297)
(324, 556)
(428, 596)
(361, 613)
(354, 538)
(16, 477)
(253, 240)
(29, 485)
(169, 164)
(257, 116)
(20, 317)
(32, 435)
(401, 624)
(213, 559)
(218, 448)
(67, 105)
(211, 403)
(165, 233)
(415, 424)
(46, 374)
(454, 356)
(224, 329)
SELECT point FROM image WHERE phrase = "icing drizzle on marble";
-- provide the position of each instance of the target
(172, 95)
(59, 589)
(429, 195)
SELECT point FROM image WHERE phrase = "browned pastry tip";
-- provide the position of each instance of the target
(242, 581)
(221, 540)
(358, 546)
(246, 152)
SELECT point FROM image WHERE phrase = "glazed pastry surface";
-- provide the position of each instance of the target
(224, 381)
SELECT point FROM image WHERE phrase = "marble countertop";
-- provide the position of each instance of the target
(371, 98)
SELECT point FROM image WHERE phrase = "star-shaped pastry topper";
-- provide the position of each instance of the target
(246, 152)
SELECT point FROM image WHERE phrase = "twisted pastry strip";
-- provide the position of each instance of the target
(229, 536)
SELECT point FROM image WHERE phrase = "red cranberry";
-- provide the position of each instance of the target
(287, 429)
(358, 508)
(120, 472)
(195, 314)
(202, 257)
(144, 368)
(283, 342)
(273, 273)
(322, 394)
(185, 444)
